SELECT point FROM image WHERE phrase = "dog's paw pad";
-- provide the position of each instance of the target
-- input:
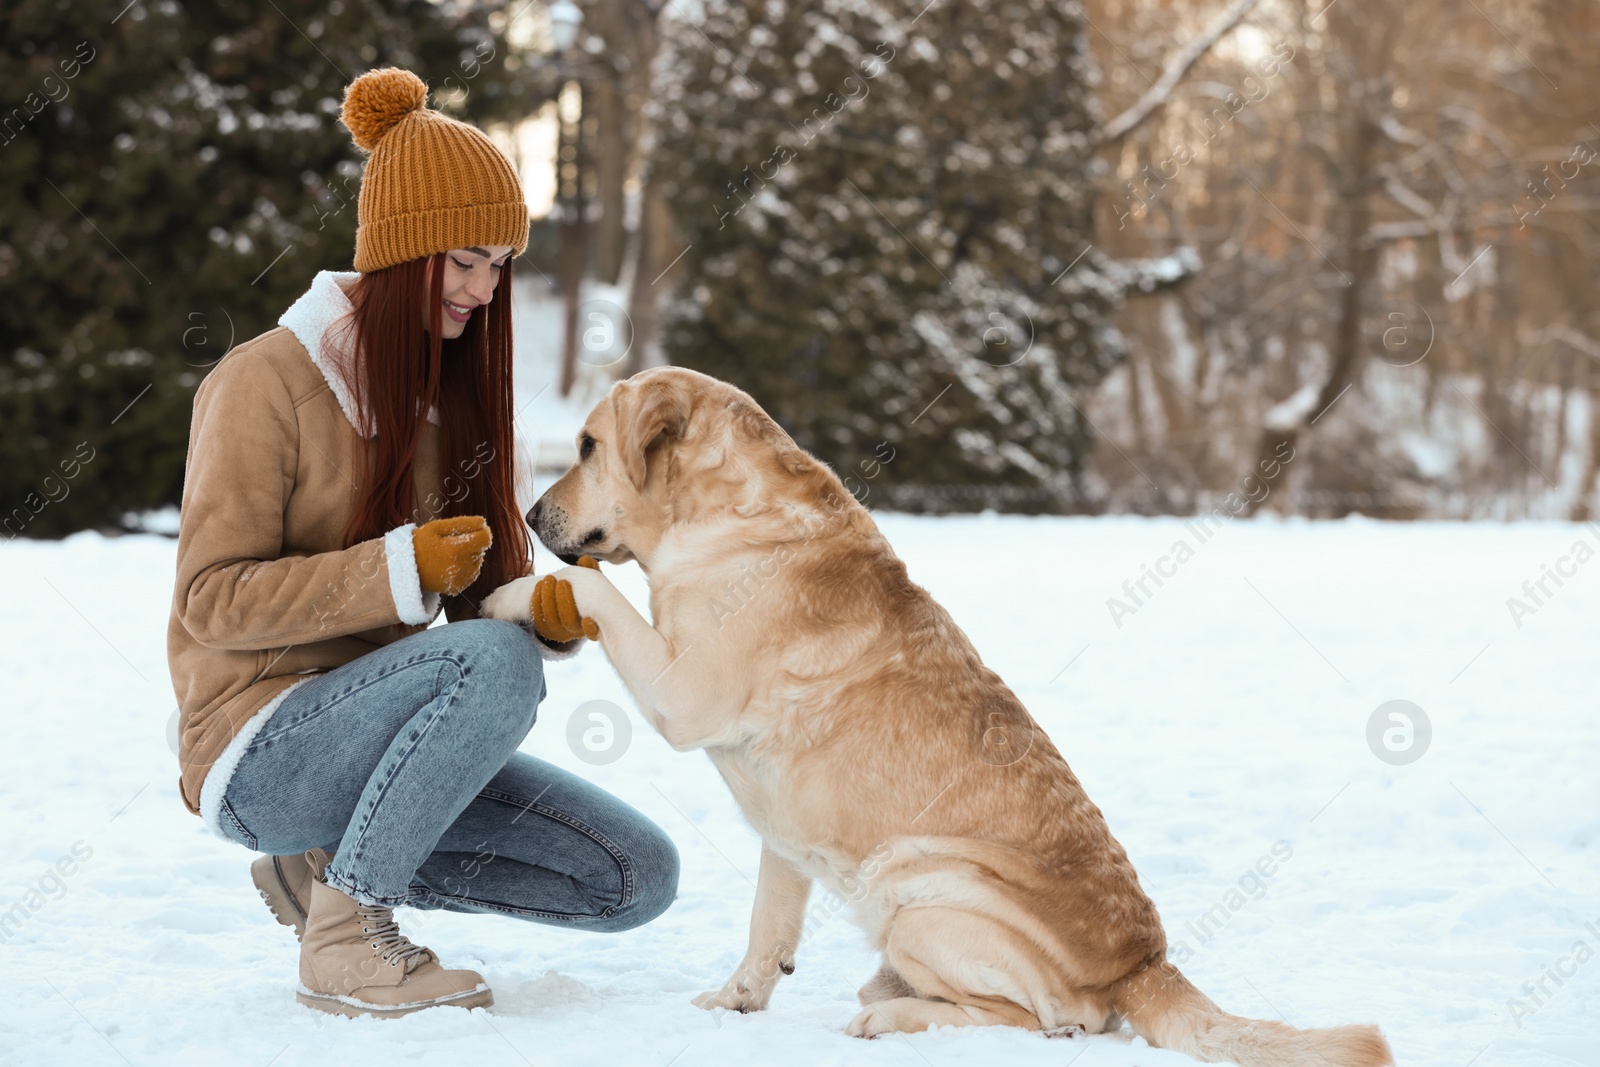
(869, 1023)
(728, 998)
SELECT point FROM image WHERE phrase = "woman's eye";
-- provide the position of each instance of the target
(585, 446)
(457, 262)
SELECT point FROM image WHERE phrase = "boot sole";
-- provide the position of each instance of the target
(269, 882)
(350, 1007)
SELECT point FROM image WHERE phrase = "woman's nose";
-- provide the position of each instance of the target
(481, 286)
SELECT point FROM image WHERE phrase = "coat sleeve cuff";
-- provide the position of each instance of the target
(555, 650)
(414, 607)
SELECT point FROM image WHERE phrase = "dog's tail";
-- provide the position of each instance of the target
(1166, 1010)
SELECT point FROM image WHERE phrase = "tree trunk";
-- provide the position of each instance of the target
(573, 235)
(1369, 45)
(1582, 507)
(1360, 259)
(611, 172)
(657, 251)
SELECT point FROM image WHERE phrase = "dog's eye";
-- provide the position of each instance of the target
(585, 446)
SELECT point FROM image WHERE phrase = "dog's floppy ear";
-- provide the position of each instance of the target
(645, 414)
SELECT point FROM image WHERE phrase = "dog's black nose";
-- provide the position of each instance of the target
(533, 513)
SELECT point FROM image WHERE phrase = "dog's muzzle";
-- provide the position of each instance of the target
(551, 527)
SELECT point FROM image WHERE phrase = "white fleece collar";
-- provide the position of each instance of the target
(309, 318)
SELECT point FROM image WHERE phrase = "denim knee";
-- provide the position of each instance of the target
(508, 657)
(654, 859)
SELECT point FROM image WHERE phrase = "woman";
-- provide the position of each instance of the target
(350, 473)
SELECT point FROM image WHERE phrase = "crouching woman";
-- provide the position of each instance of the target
(349, 474)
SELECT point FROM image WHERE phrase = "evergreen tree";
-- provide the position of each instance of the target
(882, 201)
(173, 175)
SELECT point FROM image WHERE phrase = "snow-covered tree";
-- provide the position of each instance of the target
(887, 210)
(171, 175)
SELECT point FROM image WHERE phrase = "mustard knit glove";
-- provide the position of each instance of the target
(555, 611)
(450, 552)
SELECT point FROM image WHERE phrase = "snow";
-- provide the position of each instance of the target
(1288, 414)
(1227, 714)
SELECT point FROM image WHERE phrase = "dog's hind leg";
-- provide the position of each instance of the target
(969, 969)
(885, 985)
(910, 1014)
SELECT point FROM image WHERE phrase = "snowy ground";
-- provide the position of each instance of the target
(1229, 713)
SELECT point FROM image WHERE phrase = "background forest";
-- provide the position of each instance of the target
(1022, 255)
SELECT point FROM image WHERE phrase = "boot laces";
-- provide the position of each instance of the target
(384, 935)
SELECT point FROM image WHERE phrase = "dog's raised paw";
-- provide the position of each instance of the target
(511, 602)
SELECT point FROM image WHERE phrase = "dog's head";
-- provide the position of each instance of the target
(665, 444)
(608, 498)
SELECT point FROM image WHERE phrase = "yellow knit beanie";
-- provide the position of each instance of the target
(432, 183)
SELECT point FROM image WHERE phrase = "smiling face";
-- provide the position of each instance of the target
(470, 277)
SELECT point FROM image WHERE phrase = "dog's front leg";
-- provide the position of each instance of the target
(775, 925)
(687, 699)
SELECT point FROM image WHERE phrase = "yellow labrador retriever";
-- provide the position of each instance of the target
(865, 740)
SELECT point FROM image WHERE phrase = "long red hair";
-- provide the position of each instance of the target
(404, 366)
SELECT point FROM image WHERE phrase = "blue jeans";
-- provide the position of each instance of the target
(403, 765)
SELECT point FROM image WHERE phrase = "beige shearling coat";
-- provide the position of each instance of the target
(265, 595)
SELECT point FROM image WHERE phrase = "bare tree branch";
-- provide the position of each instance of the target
(1567, 336)
(1407, 198)
(1173, 73)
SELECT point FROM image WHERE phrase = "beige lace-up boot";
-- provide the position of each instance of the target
(284, 882)
(355, 961)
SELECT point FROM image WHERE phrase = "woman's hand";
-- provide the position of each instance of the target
(549, 604)
(450, 552)
(554, 609)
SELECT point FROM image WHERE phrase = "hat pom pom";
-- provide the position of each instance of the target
(379, 99)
